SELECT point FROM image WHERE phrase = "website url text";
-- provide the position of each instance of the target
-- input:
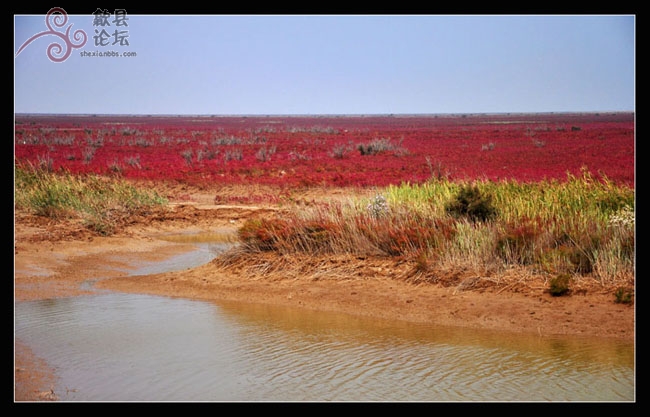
(108, 53)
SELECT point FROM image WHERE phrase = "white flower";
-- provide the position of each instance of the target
(379, 206)
(624, 217)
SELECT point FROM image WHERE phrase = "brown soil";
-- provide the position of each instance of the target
(52, 259)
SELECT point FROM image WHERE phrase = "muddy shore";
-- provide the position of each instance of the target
(52, 259)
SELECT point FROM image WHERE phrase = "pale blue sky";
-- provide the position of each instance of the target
(333, 64)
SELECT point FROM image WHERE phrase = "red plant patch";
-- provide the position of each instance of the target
(296, 151)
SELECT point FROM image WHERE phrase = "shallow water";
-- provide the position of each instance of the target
(131, 347)
(126, 347)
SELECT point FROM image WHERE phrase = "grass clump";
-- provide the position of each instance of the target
(381, 145)
(580, 228)
(100, 203)
(559, 285)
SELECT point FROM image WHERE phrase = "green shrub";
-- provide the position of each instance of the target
(624, 295)
(473, 204)
(559, 285)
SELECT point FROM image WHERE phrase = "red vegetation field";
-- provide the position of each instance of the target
(332, 150)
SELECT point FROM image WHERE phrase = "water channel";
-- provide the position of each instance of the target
(129, 347)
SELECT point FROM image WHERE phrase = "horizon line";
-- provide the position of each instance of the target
(316, 114)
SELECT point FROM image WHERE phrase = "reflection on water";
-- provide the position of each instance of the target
(204, 253)
(126, 347)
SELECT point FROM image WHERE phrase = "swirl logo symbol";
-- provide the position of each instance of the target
(55, 52)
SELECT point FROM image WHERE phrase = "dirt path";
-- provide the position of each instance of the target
(53, 259)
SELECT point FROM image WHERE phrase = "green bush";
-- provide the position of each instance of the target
(559, 285)
(624, 295)
(473, 204)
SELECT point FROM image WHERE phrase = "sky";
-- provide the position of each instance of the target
(325, 64)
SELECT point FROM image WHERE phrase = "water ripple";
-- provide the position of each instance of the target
(129, 347)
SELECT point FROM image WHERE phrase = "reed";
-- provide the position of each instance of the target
(99, 202)
(550, 227)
